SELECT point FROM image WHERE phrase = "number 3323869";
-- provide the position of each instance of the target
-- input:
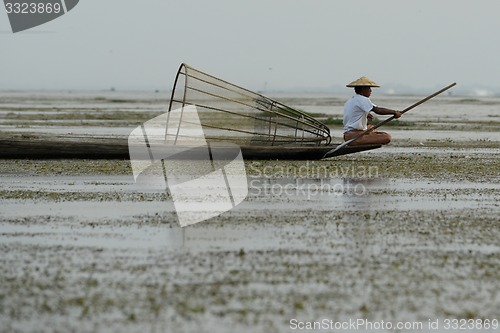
(32, 8)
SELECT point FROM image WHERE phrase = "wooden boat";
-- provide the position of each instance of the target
(36, 148)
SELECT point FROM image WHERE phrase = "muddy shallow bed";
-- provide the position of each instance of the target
(407, 233)
(83, 250)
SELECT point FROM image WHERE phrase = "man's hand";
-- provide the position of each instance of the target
(397, 114)
(370, 116)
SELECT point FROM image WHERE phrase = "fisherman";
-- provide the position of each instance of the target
(357, 113)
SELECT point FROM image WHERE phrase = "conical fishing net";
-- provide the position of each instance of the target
(228, 112)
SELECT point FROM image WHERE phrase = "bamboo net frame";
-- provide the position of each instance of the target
(229, 112)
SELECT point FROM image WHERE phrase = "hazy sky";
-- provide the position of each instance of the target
(316, 44)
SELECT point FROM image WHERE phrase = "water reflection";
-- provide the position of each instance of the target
(358, 193)
(248, 226)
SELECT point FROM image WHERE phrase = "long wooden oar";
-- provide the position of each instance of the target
(388, 120)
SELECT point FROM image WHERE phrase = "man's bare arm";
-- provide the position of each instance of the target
(384, 111)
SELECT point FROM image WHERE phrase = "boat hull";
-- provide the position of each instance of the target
(119, 149)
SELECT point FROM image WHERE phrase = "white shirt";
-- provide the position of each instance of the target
(356, 110)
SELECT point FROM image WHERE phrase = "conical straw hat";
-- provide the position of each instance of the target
(362, 82)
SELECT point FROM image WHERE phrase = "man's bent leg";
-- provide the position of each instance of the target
(380, 138)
